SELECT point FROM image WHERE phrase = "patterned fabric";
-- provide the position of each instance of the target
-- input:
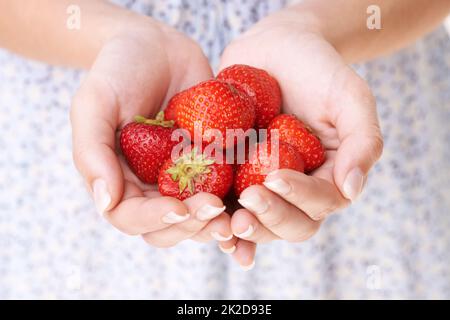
(392, 243)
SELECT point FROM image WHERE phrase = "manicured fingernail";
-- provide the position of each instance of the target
(353, 184)
(227, 250)
(254, 203)
(173, 217)
(279, 186)
(207, 212)
(247, 233)
(249, 267)
(102, 197)
(220, 237)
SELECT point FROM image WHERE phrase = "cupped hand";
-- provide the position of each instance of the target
(326, 94)
(135, 73)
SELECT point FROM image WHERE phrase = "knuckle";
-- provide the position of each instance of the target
(305, 234)
(334, 205)
(276, 220)
(78, 154)
(125, 230)
(189, 227)
(82, 155)
(156, 241)
(361, 87)
(378, 145)
(320, 215)
(119, 225)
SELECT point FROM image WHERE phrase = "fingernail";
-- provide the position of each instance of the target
(279, 186)
(249, 267)
(227, 250)
(207, 212)
(254, 203)
(220, 237)
(102, 198)
(247, 233)
(173, 217)
(353, 184)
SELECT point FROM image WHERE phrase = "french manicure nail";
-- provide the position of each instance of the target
(247, 233)
(220, 237)
(254, 203)
(227, 250)
(249, 267)
(102, 197)
(353, 184)
(173, 217)
(279, 186)
(207, 212)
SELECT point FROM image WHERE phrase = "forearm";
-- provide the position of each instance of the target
(38, 29)
(344, 24)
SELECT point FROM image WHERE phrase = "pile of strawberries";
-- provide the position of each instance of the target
(241, 97)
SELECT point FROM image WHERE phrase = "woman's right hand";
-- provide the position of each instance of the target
(135, 73)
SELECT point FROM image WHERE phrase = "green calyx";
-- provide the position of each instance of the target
(158, 121)
(188, 169)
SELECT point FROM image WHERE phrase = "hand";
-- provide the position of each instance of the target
(326, 94)
(135, 73)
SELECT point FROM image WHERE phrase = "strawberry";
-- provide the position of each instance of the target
(294, 132)
(261, 87)
(214, 104)
(170, 113)
(146, 144)
(261, 162)
(193, 173)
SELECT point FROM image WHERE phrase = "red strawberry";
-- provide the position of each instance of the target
(146, 144)
(193, 173)
(170, 113)
(294, 132)
(262, 88)
(261, 162)
(215, 105)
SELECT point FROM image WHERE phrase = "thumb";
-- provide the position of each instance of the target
(94, 116)
(361, 142)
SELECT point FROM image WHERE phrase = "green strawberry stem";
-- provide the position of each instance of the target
(158, 121)
(188, 169)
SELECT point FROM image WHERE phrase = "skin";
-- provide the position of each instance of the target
(176, 63)
(136, 64)
(307, 49)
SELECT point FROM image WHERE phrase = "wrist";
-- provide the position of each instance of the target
(112, 22)
(308, 19)
(125, 22)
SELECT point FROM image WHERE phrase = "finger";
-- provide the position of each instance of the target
(93, 117)
(245, 254)
(245, 226)
(228, 247)
(172, 236)
(137, 214)
(203, 208)
(356, 121)
(314, 196)
(218, 229)
(279, 216)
